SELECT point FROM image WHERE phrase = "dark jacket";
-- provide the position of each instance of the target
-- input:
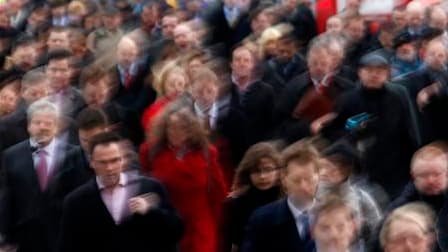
(256, 103)
(30, 217)
(273, 228)
(88, 226)
(290, 128)
(389, 138)
(238, 210)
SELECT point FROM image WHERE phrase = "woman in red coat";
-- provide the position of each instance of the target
(182, 159)
(172, 82)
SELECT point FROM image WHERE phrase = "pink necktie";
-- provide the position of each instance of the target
(42, 170)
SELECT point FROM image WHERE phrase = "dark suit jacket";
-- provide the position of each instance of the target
(223, 37)
(273, 228)
(88, 226)
(138, 96)
(256, 103)
(290, 128)
(13, 128)
(30, 217)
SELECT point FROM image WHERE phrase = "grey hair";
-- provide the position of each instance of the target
(42, 105)
(33, 77)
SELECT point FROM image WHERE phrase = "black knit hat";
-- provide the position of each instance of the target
(403, 37)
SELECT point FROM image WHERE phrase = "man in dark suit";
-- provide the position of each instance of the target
(228, 26)
(59, 71)
(118, 211)
(32, 176)
(309, 96)
(131, 91)
(250, 95)
(285, 225)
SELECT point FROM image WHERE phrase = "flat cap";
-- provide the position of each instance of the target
(374, 59)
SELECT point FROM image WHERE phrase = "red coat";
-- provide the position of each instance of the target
(153, 110)
(197, 189)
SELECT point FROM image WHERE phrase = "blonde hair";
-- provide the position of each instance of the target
(431, 151)
(416, 212)
(160, 78)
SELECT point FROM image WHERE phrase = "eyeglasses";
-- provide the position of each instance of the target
(264, 170)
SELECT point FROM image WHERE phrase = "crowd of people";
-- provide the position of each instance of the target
(222, 126)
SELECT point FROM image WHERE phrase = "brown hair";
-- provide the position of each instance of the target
(250, 162)
(301, 152)
(158, 136)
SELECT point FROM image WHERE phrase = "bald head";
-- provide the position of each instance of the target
(415, 14)
(127, 52)
(438, 18)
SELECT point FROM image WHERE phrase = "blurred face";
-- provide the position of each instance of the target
(194, 66)
(58, 11)
(355, 30)
(290, 4)
(175, 84)
(96, 95)
(58, 40)
(334, 25)
(329, 173)
(127, 53)
(319, 64)
(35, 92)
(415, 18)
(285, 51)
(150, 16)
(25, 56)
(4, 20)
(260, 23)
(205, 92)
(399, 19)
(111, 22)
(243, 63)
(265, 176)
(407, 52)
(36, 19)
(430, 176)
(168, 25)
(271, 47)
(79, 47)
(374, 77)
(59, 74)
(107, 161)
(300, 181)
(43, 127)
(177, 131)
(407, 236)
(8, 100)
(353, 4)
(436, 55)
(438, 19)
(183, 37)
(86, 135)
(334, 230)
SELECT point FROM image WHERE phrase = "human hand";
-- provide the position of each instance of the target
(143, 203)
